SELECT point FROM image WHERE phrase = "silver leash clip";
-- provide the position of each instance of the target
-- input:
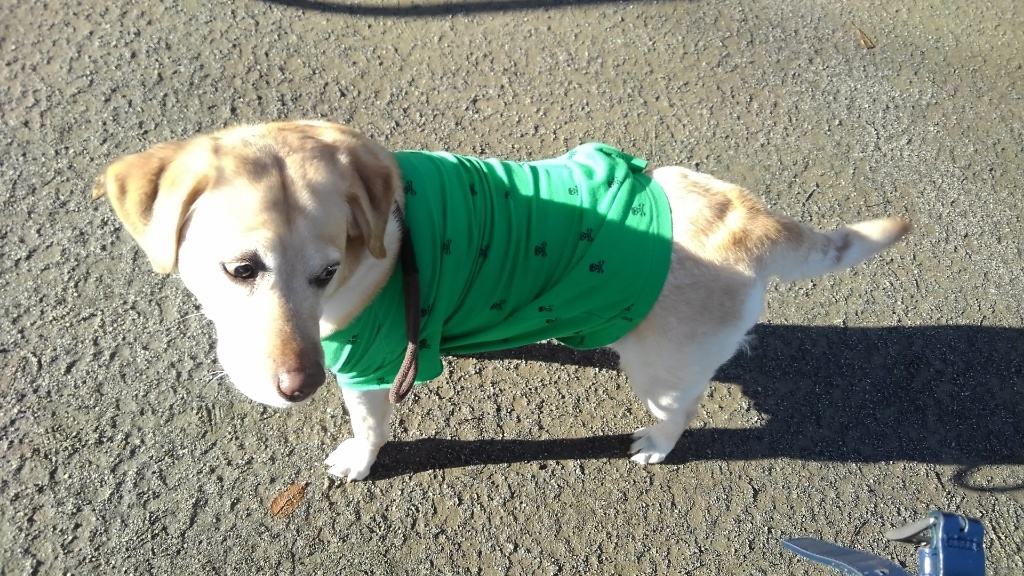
(948, 545)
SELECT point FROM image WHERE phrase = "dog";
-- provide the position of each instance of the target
(287, 233)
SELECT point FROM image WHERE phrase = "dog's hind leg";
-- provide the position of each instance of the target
(671, 388)
(670, 358)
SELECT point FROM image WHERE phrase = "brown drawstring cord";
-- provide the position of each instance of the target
(406, 377)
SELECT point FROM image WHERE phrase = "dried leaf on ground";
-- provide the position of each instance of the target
(864, 40)
(288, 499)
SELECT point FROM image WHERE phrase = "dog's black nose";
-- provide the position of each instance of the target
(295, 385)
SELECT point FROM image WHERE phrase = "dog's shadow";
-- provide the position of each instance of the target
(932, 394)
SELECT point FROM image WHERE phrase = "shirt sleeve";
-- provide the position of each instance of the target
(368, 354)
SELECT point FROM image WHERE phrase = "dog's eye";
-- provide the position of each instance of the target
(241, 270)
(244, 268)
(325, 276)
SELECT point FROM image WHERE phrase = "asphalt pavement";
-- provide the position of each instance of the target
(869, 398)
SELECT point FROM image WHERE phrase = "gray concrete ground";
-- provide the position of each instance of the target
(870, 397)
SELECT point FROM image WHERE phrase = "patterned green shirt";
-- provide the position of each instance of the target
(575, 248)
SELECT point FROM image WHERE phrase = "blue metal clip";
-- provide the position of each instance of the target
(949, 545)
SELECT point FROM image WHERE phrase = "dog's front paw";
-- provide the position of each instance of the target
(653, 443)
(352, 459)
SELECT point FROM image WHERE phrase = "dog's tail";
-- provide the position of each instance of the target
(804, 252)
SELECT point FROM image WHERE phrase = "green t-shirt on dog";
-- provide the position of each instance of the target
(575, 248)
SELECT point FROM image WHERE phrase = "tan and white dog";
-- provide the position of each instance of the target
(285, 231)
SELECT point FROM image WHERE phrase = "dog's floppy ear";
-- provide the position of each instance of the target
(371, 206)
(372, 198)
(151, 192)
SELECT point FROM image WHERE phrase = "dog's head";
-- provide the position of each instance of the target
(265, 225)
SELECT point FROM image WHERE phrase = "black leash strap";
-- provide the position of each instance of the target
(411, 287)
